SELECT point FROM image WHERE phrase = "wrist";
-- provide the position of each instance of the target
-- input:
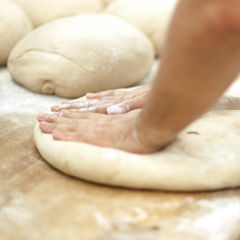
(152, 137)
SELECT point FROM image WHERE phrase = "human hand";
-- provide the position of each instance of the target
(114, 131)
(108, 102)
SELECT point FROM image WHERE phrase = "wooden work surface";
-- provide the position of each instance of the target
(38, 202)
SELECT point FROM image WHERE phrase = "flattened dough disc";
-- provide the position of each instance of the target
(205, 156)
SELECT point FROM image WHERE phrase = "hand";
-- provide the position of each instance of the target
(108, 102)
(114, 131)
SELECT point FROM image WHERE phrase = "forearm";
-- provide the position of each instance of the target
(201, 59)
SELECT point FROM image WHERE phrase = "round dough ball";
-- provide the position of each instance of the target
(43, 11)
(107, 2)
(159, 35)
(87, 53)
(147, 15)
(14, 25)
(205, 156)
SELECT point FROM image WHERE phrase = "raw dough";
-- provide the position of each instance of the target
(107, 2)
(87, 53)
(205, 156)
(14, 25)
(152, 17)
(43, 11)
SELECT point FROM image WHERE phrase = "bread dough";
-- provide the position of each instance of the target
(43, 11)
(107, 2)
(205, 156)
(152, 17)
(87, 53)
(160, 31)
(14, 25)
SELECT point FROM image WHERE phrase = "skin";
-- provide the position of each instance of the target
(201, 59)
(106, 101)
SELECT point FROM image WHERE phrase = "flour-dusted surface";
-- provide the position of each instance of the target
(37, 202)
(15, 98)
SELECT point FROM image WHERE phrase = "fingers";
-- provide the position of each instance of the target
(107, 94)
(118, 108)
(72, 126)
(96, 106)
(64, 106)
(81, 115)
(97, 102)
(99, 95)
(113, 103)
(66, 136)
(72, 136)
(48, 117)
(48, 127)
(123, 107)
(75, 105)
(95, 109)
(66, 116)
(68, 122)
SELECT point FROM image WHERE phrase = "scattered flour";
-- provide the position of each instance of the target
(217, 219)
(16, 99)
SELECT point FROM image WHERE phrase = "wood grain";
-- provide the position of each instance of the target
(37, 202)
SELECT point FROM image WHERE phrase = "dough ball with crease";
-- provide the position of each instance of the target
(87, 53)
(107, 2)
(43, 11)
(14, 25)
(149, 16)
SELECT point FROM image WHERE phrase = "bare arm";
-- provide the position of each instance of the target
(201, 59)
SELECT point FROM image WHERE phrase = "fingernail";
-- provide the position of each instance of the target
(41, 116)
(55, 106)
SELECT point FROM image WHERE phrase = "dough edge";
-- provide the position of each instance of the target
(119, 168)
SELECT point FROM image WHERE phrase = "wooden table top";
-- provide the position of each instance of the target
(38, 202)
